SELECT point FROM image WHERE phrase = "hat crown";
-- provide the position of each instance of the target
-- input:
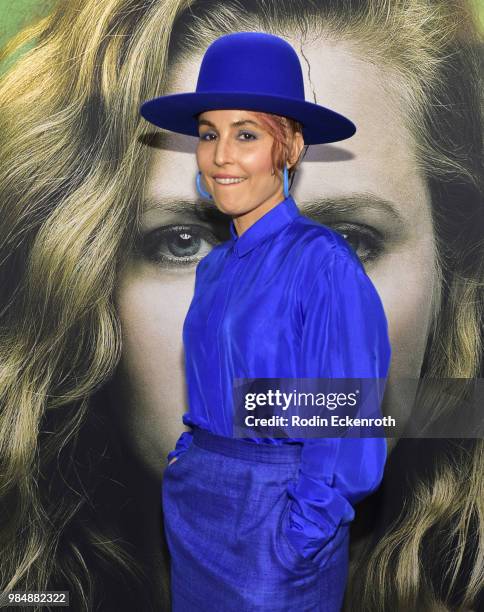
(251, 62)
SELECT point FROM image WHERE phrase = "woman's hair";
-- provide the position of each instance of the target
(73, 164)
(282, 130)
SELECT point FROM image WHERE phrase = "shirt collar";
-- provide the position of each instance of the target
(269, 224)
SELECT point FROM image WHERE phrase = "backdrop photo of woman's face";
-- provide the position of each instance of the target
(368, 188)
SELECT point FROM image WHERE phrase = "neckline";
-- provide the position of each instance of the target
(270, 223)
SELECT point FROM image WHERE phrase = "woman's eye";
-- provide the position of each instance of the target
(176, 245)
(251, 136)
(206, 135)
(366, 242)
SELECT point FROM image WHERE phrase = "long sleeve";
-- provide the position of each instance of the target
(185, 438)
(345, 335)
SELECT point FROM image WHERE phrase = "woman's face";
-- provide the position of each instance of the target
(368, 188)
(234, 157)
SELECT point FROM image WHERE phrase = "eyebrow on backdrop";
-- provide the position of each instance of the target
(357, 202)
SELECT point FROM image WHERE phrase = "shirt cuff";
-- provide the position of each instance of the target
(334, 475)
(181, 446)
(316, 513)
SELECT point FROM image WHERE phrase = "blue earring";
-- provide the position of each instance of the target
(286, 181)
(200, 189)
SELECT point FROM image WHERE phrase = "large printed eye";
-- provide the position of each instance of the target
(365, 241)
(176, 245)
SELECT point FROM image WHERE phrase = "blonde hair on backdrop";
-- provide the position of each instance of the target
(73, 165)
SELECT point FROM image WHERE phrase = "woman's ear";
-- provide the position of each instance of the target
(296, 148)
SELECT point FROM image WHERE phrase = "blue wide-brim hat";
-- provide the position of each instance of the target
(249, 71)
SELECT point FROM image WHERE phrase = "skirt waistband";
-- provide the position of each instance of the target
(245, 449)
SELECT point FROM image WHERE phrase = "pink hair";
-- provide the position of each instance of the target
(281, 129)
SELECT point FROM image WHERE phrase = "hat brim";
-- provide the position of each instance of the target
(177, 113)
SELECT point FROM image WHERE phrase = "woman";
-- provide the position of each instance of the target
(284, 298)
(83, 180)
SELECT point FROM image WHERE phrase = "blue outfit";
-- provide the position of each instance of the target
(263, 524)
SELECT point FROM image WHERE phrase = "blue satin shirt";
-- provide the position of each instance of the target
(289, 298)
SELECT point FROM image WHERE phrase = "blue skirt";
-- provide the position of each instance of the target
(224, 503)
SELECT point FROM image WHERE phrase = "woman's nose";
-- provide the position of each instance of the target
(223, 151)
